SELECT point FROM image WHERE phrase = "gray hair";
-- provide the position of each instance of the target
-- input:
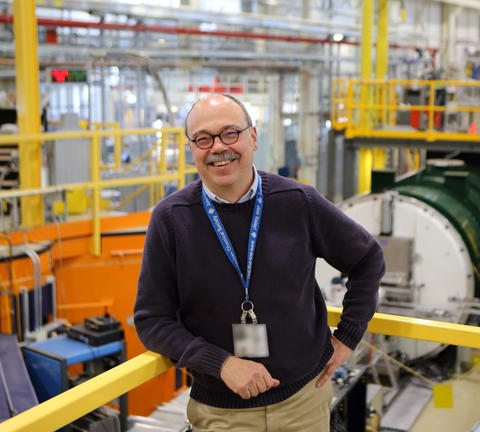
(233, 98)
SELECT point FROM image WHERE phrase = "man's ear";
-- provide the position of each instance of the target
(253, 134)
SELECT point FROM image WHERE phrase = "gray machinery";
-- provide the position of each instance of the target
(429, 227)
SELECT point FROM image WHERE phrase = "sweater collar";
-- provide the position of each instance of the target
(248, 196)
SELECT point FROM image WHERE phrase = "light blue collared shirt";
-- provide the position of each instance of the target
(248, 196)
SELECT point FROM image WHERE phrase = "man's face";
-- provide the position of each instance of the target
(233, 174)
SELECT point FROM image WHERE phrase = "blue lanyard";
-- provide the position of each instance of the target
(225, 241)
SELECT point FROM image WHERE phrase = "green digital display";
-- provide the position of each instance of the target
(68, 75)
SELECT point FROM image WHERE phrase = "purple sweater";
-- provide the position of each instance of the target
(189, 294)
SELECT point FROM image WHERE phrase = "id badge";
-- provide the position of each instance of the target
(250, 340)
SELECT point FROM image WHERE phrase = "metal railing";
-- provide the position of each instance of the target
(160, 170)
(446, 110)
(117, 140)
(72, 404)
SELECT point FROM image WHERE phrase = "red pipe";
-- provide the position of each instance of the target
(190, 31)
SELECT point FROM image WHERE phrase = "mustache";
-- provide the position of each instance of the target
(224, 156)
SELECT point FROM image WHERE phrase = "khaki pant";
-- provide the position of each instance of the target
(308, 410)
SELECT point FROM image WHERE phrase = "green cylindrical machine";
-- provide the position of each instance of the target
(451, 188)
(429, 227)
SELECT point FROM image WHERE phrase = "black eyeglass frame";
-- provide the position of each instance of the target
(213, 136)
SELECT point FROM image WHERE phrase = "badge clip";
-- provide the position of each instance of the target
(247, 311)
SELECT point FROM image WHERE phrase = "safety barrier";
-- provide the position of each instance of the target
(72, 404)
(444, 110)
(160, 170)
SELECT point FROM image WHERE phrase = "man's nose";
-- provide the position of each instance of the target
(217, 143)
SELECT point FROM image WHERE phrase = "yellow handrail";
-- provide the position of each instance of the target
(97, 184)
(351, 109)
(13, 138)
(78, 401)
(72, 404)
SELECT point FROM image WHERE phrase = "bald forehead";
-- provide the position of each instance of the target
(215, 106)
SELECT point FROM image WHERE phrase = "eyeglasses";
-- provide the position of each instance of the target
(228, 136)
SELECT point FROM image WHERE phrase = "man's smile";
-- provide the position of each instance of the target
(221, 159)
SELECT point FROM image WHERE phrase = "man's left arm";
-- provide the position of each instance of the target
(340, 355)
(348, 247)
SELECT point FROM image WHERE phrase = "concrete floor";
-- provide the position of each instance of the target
(466, 407)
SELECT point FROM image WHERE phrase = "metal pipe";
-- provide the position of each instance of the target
(37, 285)
(48, 49)
(13, 412)
(26, 314)
(192, 31)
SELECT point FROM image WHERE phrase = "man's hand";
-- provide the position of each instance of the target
(246, 378)
(340, 355)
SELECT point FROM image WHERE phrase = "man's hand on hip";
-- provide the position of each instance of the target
(246, 378)
(340, 355)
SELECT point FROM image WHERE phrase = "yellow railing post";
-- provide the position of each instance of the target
(350, 120)
(96, 194)
(363, 102)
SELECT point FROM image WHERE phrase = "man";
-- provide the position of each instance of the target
(228, 267)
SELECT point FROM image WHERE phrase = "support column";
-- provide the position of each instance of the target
(380, 153)
(382, 40)
(367, 39)
(331, 165)
(276, 140)
(364, 153)
(308, 125)
(449, 31)
(349, 185)
(28, 107)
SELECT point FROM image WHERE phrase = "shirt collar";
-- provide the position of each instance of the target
(249, 195)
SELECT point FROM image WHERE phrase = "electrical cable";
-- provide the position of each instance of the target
(399, 364)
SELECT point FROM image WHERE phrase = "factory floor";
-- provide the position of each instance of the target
(466, 407)
(462, 417)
